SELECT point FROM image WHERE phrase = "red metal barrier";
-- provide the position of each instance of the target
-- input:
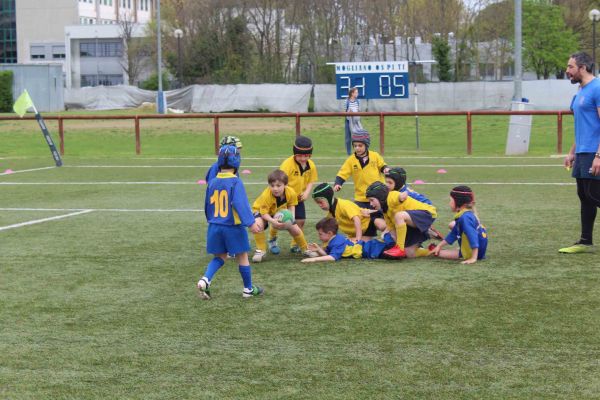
(297, 117)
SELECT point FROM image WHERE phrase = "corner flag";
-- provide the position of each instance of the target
(23, 103)
(21, 106)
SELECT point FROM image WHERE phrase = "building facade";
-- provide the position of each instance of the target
(8, 32)
(82, 35)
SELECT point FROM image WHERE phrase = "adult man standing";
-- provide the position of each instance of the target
(584, 156)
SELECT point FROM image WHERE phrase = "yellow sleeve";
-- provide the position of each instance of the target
(263, 203)
(380, 162)
(314, 176)
(291, 196)
(286, 167)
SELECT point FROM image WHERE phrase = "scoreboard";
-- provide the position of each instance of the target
(374, 80)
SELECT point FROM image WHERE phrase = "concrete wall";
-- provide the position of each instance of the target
(43, 82)
(41, 21)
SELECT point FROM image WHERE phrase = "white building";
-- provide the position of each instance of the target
(82, 35)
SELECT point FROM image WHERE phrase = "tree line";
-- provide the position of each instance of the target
(291, 41)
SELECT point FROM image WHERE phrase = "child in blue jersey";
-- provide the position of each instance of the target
(395, 179)
(338, 246)
(228, 214)
(466, 228)
(226, 141)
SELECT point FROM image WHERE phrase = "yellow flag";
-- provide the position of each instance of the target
(23, 103)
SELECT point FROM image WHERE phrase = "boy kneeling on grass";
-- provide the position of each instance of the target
(338, 246)
(466, 228)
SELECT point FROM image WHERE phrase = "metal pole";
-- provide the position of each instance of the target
(160, 106)
(518, 94)
(180, 71)
(594, 46)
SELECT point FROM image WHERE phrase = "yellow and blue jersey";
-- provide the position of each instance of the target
(415, 195)
(298, 177)
(340, 246)
(363, 173)
(395, 205)
(213, 171)
(470, 233)
(267, 203)
(226, 202)
(344, 211)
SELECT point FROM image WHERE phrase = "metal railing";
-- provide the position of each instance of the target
(298, 116)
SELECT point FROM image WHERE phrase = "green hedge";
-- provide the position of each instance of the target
(6, 97)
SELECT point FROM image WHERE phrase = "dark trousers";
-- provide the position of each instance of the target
(588, 191)
(348, 137)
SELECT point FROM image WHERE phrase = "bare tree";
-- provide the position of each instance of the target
(135, 50)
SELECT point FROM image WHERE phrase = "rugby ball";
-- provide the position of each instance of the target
(286, 217)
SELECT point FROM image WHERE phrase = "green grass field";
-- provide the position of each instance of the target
(101, 302)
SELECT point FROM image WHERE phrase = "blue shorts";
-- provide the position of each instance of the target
(418, 234)
(581, 166)
(232, 239)
(300, 211)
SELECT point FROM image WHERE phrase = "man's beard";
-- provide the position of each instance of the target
(574, 80)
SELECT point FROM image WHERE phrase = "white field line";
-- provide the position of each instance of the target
(150, 210)
(331, 165)
(263, 183)
(25, 170)
(39, 221)
(385, 156)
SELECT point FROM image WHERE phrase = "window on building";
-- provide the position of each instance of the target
(8, 32)
(38, 52)
(110, 49)
(58, 52)
(101, 79)
(87, 49)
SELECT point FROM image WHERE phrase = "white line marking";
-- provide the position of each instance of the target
(331, 165)
(25, 170)
(39, 221)
(107, 209)
(263, 183)
(385, 156)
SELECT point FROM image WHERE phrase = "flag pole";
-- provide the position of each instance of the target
(42, 124)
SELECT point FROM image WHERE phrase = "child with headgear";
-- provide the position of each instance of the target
(364, 166)
(337, 246)
(228, 214)
(348, 215)
(466, 228)
(226, 141)
(302, 175)
(277, 196)
(395, 179)
(406, 218)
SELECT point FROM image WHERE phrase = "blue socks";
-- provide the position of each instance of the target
(216, 263)
(213, 266)
(246, 273)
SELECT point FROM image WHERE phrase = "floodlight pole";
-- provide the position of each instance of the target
(178, 34)
(160, 105)
(594, 16)
(518, 80)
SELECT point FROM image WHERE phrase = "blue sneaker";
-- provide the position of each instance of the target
(254, 292)
(273, 248)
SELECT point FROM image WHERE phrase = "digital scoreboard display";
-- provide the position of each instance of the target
(374, 80)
